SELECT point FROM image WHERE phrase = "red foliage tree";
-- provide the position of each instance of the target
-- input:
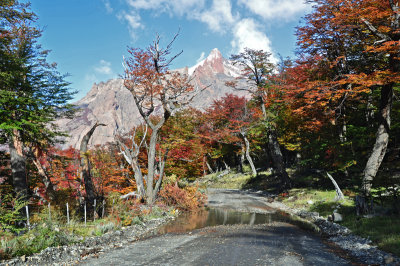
(156, 92)
(181, 136)
(228, 122)
(109, 173)
(353, 48)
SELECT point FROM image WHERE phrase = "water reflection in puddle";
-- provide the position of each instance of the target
(212, 217)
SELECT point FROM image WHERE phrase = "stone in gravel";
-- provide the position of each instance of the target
(306, 214)
(310, 202)
(389, 259)
(337, 217)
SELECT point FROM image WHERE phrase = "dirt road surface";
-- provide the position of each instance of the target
(271, 243)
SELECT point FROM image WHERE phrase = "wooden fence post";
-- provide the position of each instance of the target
(85, 212)
(94, 211)
(102, 210)
(49, 211)
(67, 214)
(27, 216)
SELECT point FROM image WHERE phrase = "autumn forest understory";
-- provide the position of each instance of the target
(333, 109)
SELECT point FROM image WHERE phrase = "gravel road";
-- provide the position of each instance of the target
(274, 243)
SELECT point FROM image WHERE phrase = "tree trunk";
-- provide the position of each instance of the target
(381, 142)
(45, 179)
(160, 178)
(241, 159)
(150, 197)
(18, 166)
(248, 157)
(209, 168)
(277, 160)
(85, 168)
(138, 178)
(276, 153)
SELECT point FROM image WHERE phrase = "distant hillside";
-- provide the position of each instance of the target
(111, 103)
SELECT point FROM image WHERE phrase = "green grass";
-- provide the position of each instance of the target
(383, 230)
(46, 233)
(323, 201)
(233, 180)
(229, 181)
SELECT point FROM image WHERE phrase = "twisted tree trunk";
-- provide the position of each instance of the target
(381, 142)
(85, 168)
(385, 108)
(247, 153)
(50, 192)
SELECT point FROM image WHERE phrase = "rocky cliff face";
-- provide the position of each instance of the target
(111, 103)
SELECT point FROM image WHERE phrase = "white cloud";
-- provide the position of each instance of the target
(276, 9)
(176, 7)
(201, 58)
(108, 7)
(104, 68)
(246, 33)
(218, 16)
(132, 19)
(101, 71)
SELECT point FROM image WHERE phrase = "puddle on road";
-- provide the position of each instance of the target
(212, 217)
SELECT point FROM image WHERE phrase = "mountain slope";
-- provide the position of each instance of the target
(111, 103)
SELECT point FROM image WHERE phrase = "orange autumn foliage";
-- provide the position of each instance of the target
(188, 198)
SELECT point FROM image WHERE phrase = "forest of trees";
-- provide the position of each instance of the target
(332, 108)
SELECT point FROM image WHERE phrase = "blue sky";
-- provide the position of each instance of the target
(88, 38)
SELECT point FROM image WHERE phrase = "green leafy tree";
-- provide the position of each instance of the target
(32, 92)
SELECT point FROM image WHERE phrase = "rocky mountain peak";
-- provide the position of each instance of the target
(214, 64)
(112, 104)
(215, 54)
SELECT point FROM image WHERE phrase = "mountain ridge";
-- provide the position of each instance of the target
(111, 103)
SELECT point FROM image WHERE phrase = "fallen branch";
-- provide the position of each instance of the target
(339, 194)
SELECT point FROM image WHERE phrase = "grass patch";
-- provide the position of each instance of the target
(383, 230)
(52, 233)
(232, 180)
(235, 180)
(322, 201)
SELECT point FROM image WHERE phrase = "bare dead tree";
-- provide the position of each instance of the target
(131, 156)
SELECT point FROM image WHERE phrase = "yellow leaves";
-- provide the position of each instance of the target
(290, 141)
